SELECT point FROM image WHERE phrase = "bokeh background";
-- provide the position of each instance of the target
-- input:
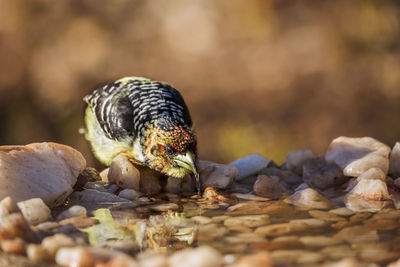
(258, 76)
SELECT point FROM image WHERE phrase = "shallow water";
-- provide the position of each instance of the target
(236, 226)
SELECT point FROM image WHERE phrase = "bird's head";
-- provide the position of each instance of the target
(171, 151)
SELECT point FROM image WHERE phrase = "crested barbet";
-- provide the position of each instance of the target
(146, 121)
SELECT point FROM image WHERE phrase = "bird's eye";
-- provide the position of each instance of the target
(169, 150)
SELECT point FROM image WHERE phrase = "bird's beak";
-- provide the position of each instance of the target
(187, 161)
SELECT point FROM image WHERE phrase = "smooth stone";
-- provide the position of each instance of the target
(319, 241)
(296, 255)
(250, 165)
(310, 199)
(13, 246)
(258, 259)
(81, 221)
(245, 238)
(123, 173)
(240, 229)
(73, 211)
(394, 264)
(357, 234)
(289, 178)
(291, 227)
(216, 175)
(123, 261)
(326, 216)
(104, 175)
(277, 245)
(203, 256)
(357, 155)
(368, 195)
(360, 217)
(295, 160)
(53, 243)
(187, 184)
(153, 260)
(248, 221)
(164, 207)
(15, 225)
(75, 256)
(276, 209)
(342, 211)
(322, 174)
(149, 181)
(392, 214)
(7, 206)
(268, 187)
(382, 224)
(373, 173)
(40, 170)
(48, 227)
(339, 252)
(235, 248)
(201, 219)
(34, 210)
(37, 253)
(346, 262)
(394, 161)
(211, 231)
(250, 197)
(129, 194)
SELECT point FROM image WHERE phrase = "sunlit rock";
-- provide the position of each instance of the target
(34, 210)
(124, 173)
(322, 174)
(250, 165)
(357, 155)
(394, 161)
(7, 206)
(53, 243)
(268, 187)
(310, 199)
(41, 170)
(295, 160)
(216, 175)
(13, 246)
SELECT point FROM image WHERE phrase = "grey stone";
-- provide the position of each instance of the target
(394, 161)
(322, 174)
(216, 175)
(123, 173)
(34, 210)
(295, 160)
(268, 187)
(250, 165)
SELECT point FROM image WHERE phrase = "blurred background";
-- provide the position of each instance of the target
(258, 76)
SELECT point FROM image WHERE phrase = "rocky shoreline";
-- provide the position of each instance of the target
(337, 209)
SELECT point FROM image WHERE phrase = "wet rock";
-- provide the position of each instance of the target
(259, 259)
(268, 187)
(357, 155)
(130, 194)
(53, 243)
(153, 260)
(289, 178)
(250, 165)
(123, 261)
(34, 210)
(342, 212)
(295, 160)
(201, 219)
(73, 211)
(41, 170)
(15, 225)
(322, 174)
(293, 226)
(216, 175)
(164, 207)
(81, 221)
(319, 241)
(77, 256)
(203, 256)
(296, 255)
(95, 196)
(373, 173)
(123, 173)
(368, 194)
(208, 232)
(339, 251)
(187, 184)
(310, 199)
(13, 246)
(394, 161)
(37, 253)
(104, 175)
(7, 206)
(250, 197)
(357, 234)
(244, 237)
(248, 221)
(326, 216)
(149, 181)
(47, 227)
(360, 217)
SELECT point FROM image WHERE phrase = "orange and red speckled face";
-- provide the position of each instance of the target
(161, 147)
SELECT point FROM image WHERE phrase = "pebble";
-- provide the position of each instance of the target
(295, 160)
(357, 155)
(211, 231)
(295, 255)
(342, 211)
(368, 195)
(291, 227)
(216, 175)
(153, 260)
(53, 243)
(73, 211)
(250, 197)
(201, 219)
(76, 256)
(323, 174)
(123, 173)
(13, 246)
(81, 221)
(339, 251)
(37, 253)
(15, 225)
(95, 196)
(202, 256)
(373, 173)
(310, 199)
(319, 241)
(129, 194)
(40, 170)
(104, 175)
(149, 181)
(7, 206)
(123, 261)
(34, 210)
(326, 216)
(250, 165)
(357, 234)
(259, 259)
(164, 207)
(48, 226)
(289, 178)
(180, 185)
(248, 221)
(346, 262)
(268, 187)
(394, 161)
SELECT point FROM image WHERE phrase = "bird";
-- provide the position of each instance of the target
(147, 121)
